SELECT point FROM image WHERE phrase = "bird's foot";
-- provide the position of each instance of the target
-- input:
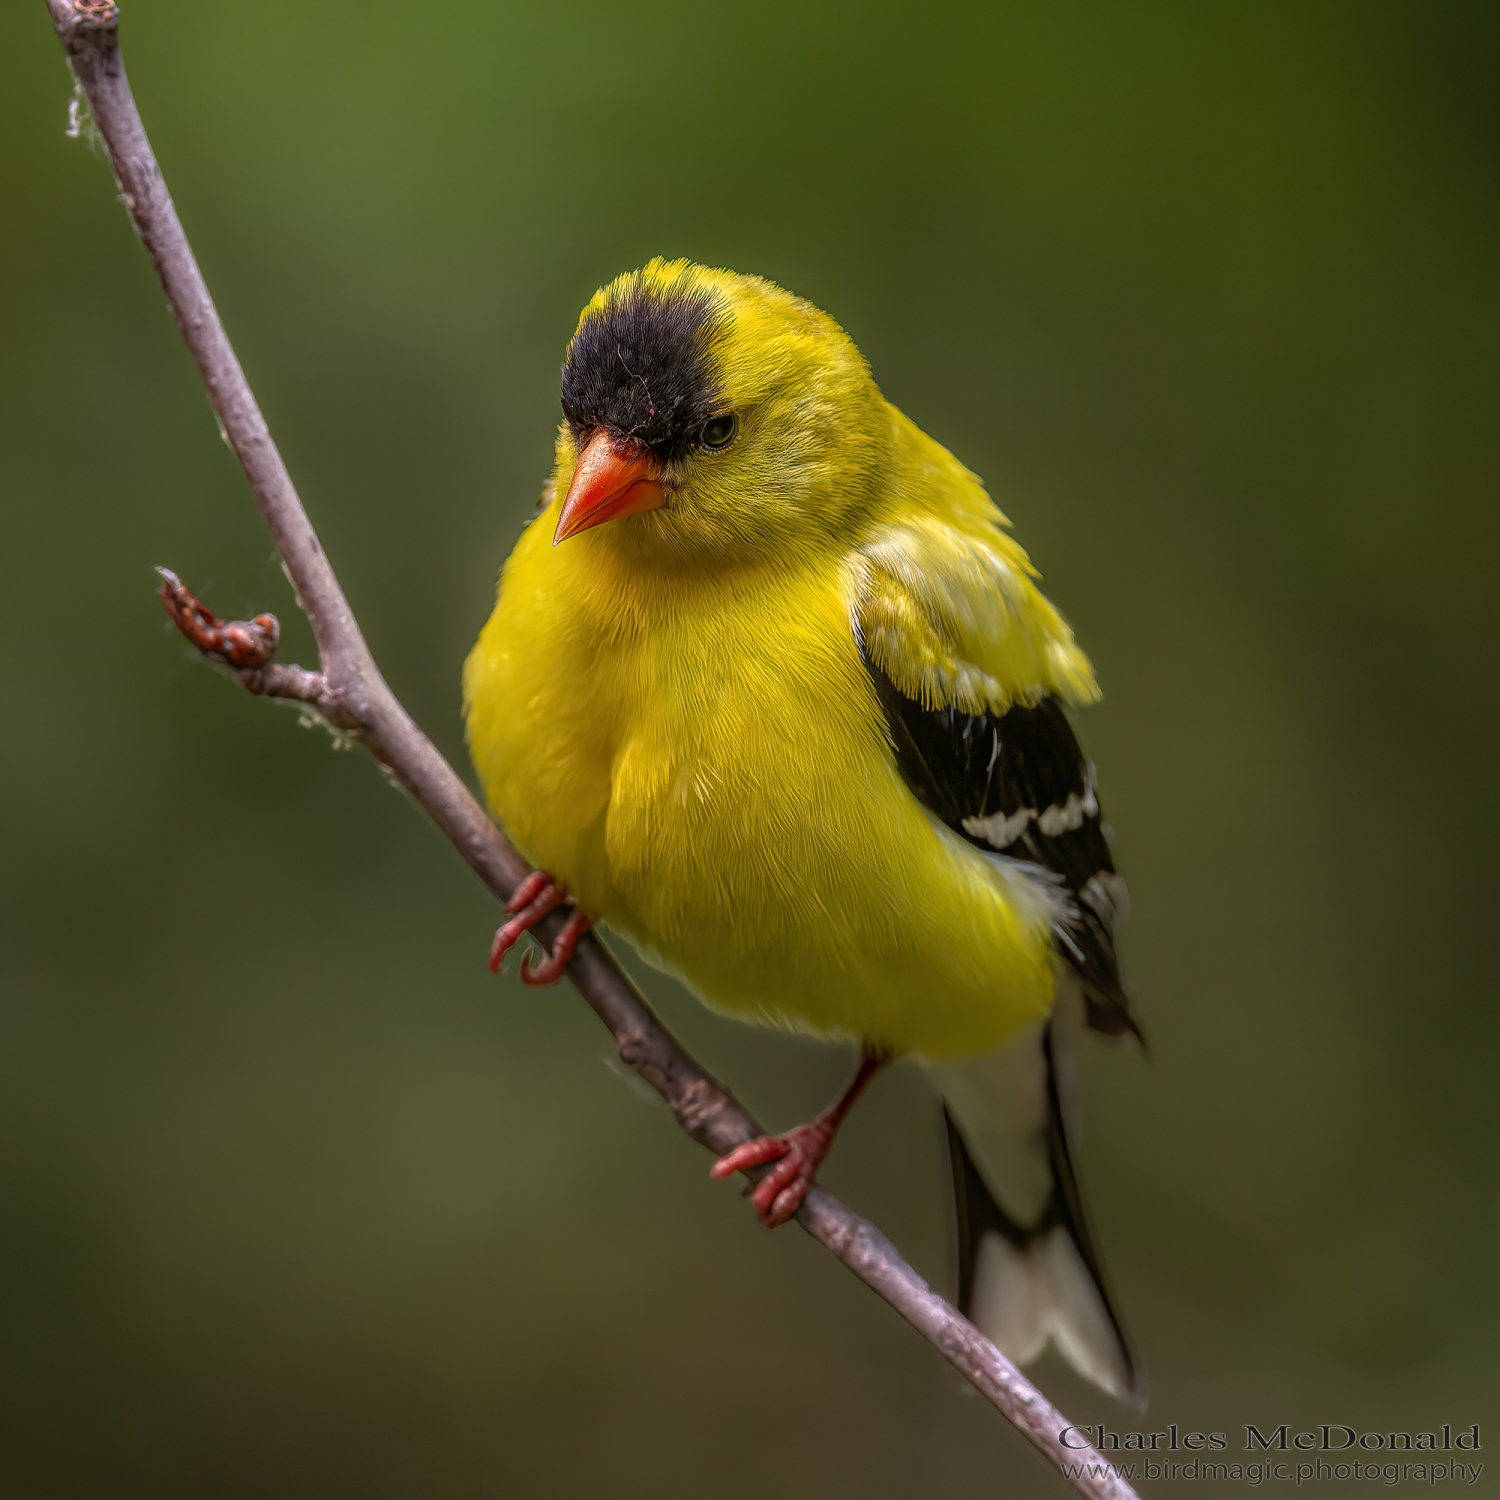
(536, 897)
(798, 1154)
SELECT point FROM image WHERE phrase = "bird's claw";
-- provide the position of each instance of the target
(552, 968)
(798, 1154)
(536, 897)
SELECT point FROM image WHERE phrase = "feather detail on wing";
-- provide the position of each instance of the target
(949, 610)
(972, 667)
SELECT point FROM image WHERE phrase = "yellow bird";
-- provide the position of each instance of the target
(770, 690)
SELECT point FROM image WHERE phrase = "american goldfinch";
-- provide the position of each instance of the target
(770, 690)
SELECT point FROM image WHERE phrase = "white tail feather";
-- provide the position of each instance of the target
(1024, 1298)
(1030, 1275)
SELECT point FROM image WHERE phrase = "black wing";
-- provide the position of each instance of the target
(1018, 784)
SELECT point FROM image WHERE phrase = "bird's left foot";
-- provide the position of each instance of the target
(537, 896)
(798, 1154)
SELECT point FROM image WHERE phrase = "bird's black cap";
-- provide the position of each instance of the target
(640, 367)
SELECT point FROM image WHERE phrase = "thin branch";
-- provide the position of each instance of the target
(350, 692)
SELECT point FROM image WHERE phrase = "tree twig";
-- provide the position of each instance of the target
(351, 694)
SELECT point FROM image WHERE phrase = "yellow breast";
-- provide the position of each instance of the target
(703, 763)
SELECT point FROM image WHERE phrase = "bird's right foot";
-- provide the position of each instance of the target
(536, 897)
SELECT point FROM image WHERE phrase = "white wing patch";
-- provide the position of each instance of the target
(998, 830)
(1106, 894)
(1001, 830)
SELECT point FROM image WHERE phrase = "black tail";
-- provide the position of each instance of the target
(1024, 1284)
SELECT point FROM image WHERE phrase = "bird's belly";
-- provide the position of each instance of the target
(737, 813)
(790, 877)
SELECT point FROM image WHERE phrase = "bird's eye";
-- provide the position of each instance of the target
(719, 432)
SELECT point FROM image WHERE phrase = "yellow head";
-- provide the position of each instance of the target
(713, 415)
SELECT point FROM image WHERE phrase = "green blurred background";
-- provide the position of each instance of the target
(298, 1200)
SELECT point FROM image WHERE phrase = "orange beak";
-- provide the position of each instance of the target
(608, 483)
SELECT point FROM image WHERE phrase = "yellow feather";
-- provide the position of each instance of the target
(670, 712)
